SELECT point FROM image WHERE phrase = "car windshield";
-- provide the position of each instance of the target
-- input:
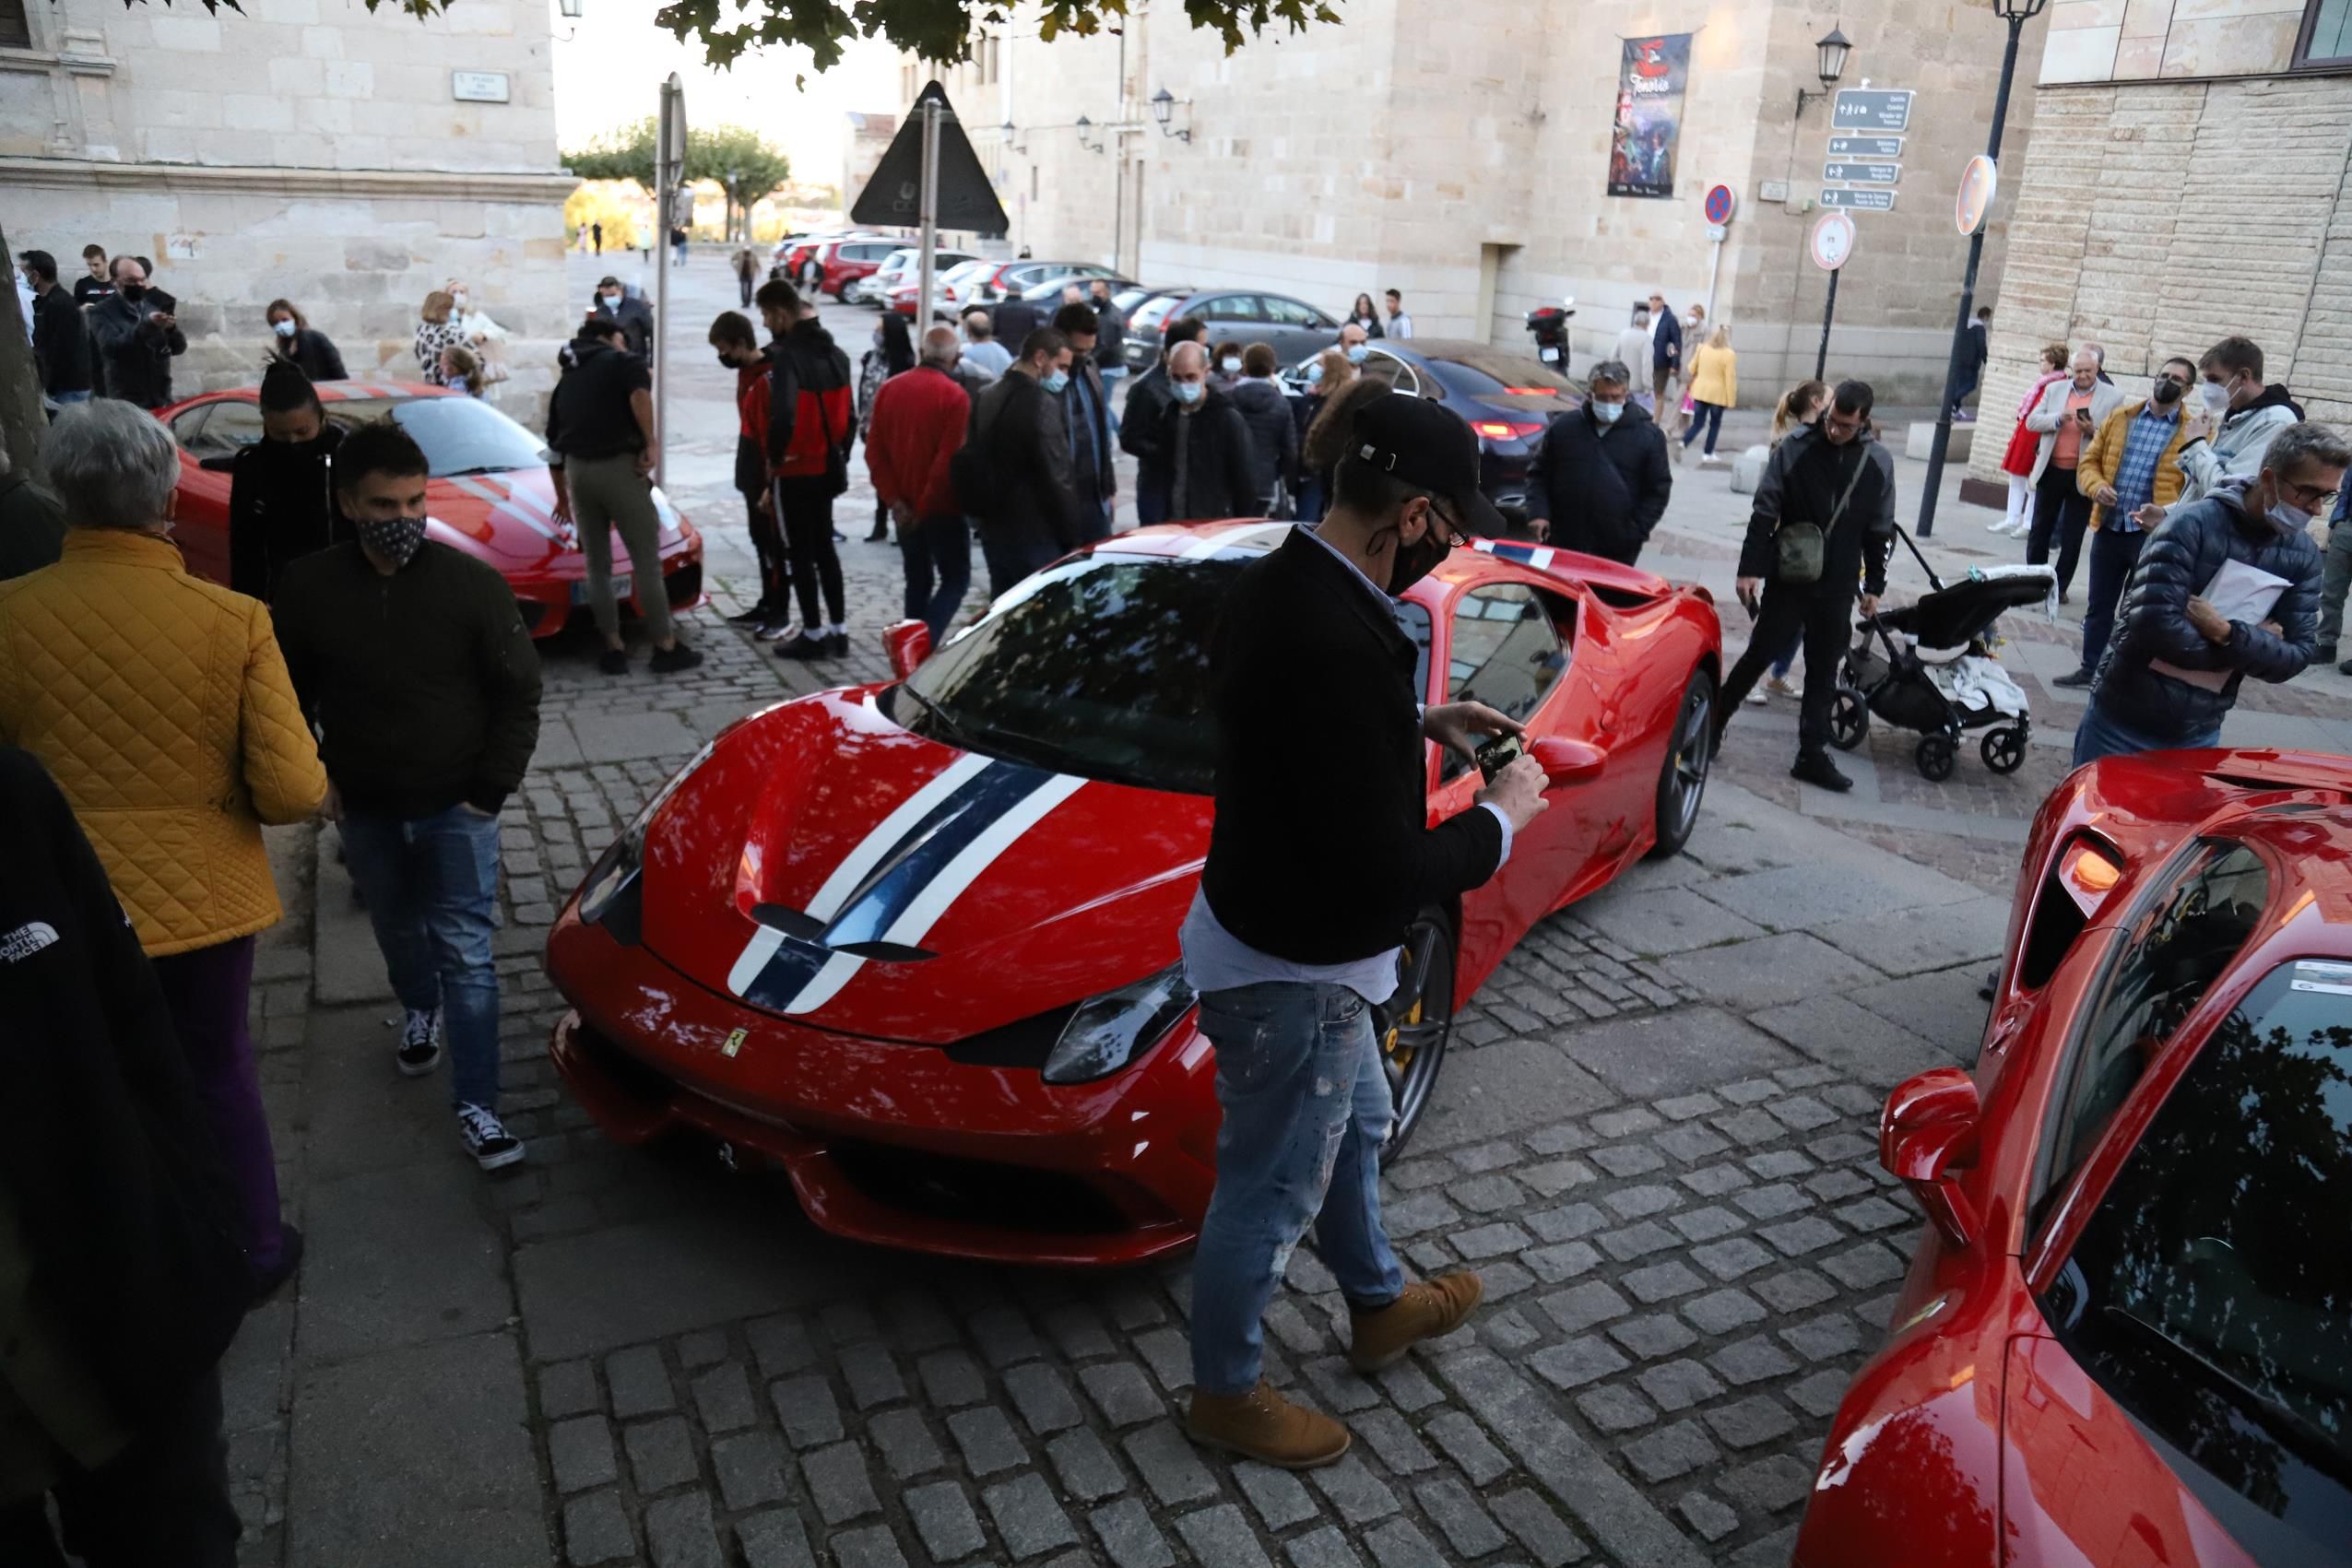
(460, 435)
(1097, 666)
(2211, 1292)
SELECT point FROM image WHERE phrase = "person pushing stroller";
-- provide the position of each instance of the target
(1824, 519)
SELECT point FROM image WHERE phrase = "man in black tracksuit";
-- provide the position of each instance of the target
(1838, 476)
(1602, 478)
(279, 508)
(121, 1278)
(811, 422)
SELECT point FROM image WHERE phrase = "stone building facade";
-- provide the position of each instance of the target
(1460, 154)
(2190, 178)
(301, 150)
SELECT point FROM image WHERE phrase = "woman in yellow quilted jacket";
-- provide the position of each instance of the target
(163, 706)
(1715, 386)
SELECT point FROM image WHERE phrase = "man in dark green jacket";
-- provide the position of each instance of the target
(411, 658)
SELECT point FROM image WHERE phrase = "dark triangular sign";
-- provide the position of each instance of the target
(893, 197)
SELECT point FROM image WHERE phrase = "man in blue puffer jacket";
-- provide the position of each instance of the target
(2142, 702)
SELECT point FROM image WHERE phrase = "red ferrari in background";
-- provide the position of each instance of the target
(916, 942)
(489, 495)
(2127, 1337)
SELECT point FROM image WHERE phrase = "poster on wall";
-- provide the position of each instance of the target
(1642, 145)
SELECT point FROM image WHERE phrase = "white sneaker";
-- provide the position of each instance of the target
(1756, 696)
(420, 1049)
(486, 1137)
(1998, 525)
(1782, 687)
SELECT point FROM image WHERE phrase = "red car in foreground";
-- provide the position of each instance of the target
(916, 943)
(2127, 1337)
(489, 495)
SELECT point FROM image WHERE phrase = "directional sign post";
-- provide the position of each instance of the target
(1875, 200)
(1841, 173)
(669, 171)
(1872, 109)
(1866, 146)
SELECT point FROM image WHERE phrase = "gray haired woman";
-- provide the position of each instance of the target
(162, 705)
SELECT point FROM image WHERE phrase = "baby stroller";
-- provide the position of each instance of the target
(1937, 675)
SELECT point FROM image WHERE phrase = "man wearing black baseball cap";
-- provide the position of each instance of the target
(1320, 858)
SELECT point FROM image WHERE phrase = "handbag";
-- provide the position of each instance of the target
(1800, 549)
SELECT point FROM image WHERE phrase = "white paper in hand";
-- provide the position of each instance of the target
(2241, 593)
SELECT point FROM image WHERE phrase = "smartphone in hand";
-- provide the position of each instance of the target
(1499, 753)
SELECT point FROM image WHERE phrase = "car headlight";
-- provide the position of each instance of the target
(617, 870)
(1110, 1031)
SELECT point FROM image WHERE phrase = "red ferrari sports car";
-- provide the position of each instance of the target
(2127, 1337)
(916, 942)
(489, 495)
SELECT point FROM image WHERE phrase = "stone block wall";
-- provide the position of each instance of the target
(2157, 218)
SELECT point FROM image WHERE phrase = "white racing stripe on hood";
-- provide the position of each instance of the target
(857, 865)
(943, 890)
(1230, 538)
(473, 486)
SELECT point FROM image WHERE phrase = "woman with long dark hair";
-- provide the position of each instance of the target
(892, 354)
(294, 340)
(1363, 314)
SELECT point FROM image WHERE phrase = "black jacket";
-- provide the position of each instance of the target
(1110, 341)
(106, 1156)
(1803, 479)
(2178, 562)
(1139, 432)
(1321, 852)
(636, 319)
(805, 360)
(61, 342)
(1021, 430)
(134, 355)
(314, 353)
(1213, 475)
(1274, 434)
(280, 508)
(424, 684)
(1014, 319)
(32, 527)
(1666, 344)
(590, 415)
(1602, 487)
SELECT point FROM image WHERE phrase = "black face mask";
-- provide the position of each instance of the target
(2166, 392)
(1417, 560)
(134, 292)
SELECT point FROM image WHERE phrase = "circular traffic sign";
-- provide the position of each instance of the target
(1833, 240)
(1720, 203)
(1977, 184)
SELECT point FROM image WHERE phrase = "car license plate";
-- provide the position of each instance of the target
(621, 588)
(1549, 355)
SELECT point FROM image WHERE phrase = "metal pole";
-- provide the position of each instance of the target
(931, 216)
(1828, 310)
(1967, 301)
(1714, 267)
(665, 206)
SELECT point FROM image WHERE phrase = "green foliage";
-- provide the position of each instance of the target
(628, 154)
(931, 29)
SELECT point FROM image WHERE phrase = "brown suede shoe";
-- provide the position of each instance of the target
(1264, 1426)
(1428, 1310)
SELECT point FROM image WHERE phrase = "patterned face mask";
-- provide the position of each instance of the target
(394, 538)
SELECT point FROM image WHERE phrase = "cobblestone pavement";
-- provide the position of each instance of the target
(1653, 1138)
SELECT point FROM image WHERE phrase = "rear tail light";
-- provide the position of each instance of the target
(1505, 430)
(1532, 391)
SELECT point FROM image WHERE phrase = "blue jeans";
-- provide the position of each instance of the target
(937, 549)
(1706, 416)
(63, 398)
(1310, 498)
(1151, 502)
(2115, 554)
(1306, 1109)
(431, 890)
(2101, 734)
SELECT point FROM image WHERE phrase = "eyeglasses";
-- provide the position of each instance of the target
(1456, 537)
(1841, 423)
(2309, 498)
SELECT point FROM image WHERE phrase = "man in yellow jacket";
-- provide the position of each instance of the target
(2131, 464)
(163, 706)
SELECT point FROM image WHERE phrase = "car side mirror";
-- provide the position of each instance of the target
(908, 643)
(1566, 761)
(218, 463)
(1927, 1134)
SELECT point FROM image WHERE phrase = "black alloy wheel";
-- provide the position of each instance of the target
(1681, 782)
(1420, 1023)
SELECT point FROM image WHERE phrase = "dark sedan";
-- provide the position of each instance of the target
(1506, 395)
(1292, 328)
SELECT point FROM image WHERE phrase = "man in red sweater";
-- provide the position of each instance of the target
(917, 426)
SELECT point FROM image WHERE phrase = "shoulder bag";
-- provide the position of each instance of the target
(1800, 549)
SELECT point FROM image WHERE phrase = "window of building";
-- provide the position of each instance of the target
(16, 28)
(2326, 38)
